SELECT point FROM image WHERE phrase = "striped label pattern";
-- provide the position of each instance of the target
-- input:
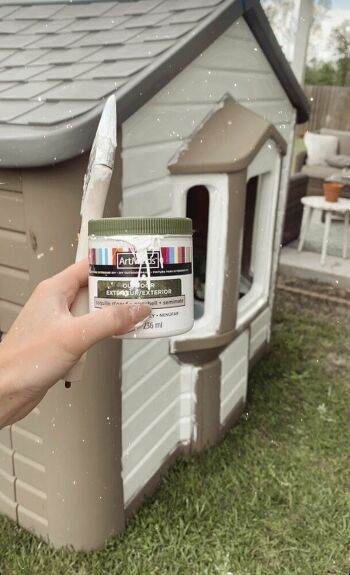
(179, 255)
(108, 256)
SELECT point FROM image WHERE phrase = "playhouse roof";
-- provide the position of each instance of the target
(58, 61)
(215, 146)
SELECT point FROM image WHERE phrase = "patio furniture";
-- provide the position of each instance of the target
(317, 174)
(342, 207)
(294, 210)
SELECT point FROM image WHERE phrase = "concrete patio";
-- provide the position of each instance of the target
(307, 264)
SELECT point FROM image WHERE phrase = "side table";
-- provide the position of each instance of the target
(342, 206)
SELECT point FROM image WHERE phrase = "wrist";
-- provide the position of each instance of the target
(15, 403)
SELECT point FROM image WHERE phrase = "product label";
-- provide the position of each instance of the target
(117, 262)
(128, 260)
(162, 293)
(132, 271)
(124, 289)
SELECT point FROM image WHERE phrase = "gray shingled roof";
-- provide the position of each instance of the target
(58, 61)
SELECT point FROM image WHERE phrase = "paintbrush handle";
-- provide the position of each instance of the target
(92, 208)
(80, 307)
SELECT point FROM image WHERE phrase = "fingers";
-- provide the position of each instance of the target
(88, 329)
(71, 279)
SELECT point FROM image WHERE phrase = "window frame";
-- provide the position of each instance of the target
(267, 167)
(218, 189)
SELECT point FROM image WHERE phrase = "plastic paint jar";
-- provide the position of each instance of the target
(144, 260)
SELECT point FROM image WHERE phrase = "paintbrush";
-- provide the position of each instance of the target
(96, 184)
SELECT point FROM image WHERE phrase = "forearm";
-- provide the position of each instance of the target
(15, 402)
(45, 341)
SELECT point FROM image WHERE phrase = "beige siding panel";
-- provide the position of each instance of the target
(145, 164)
(27, 444)
(8, 507)
(196, 86)
(32, 422)
(32, 521)
(10, 180)
(239, 30)
(133, 347)
(144, 416)
(6, 459)
(136, 200)
(259, 332)
(233, 354)
(229, 52)
(7, 485)
(149, 465)
(237, 374)
(31, 498)
(276, 112)
(8, 313)
(143, 445)
(13, 249)
(171, 123)
(5, 437)
(286, 130)
(140, 362)
(235, 397)
(14, 285)
(11, 211)
(29, 471)
(147, 386)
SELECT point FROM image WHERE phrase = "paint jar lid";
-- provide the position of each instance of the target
(140, 226)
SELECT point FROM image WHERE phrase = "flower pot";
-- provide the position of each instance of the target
(332, 191)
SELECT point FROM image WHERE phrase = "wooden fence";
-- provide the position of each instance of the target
(330, 108)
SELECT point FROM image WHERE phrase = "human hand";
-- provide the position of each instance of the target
(45, 341)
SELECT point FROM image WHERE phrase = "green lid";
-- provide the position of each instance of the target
(140, 226)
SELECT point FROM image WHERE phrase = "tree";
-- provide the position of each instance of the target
(336, 73)
(281, 17)
(340, 37)
(320, 73)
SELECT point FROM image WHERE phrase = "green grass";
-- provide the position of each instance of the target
(272, 499)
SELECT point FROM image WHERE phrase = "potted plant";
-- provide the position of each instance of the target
(332, 190)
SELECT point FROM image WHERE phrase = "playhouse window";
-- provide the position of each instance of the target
(249, 236)
(197, 208)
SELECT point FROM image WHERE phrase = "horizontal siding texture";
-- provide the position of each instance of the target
(234, 375)
(8, 505)
(13, 249)
(14, 278)
(29, 470)
(234, 65)
(151, 410)
(259, 332)
(11, 211)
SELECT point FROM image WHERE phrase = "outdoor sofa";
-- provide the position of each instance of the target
(317, 174)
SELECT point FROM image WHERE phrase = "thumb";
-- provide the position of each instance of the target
(88, 329)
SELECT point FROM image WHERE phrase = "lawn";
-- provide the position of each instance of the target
(272, 499)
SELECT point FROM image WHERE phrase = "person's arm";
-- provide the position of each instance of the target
(45, 341)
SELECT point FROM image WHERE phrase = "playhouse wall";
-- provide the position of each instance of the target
(14, 289)
(25, 259)
(233, 64)
(60, 467)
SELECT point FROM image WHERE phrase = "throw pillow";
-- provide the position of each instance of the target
(319, 147)
(339, 161)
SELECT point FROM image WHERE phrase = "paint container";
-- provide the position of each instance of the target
(144, 260)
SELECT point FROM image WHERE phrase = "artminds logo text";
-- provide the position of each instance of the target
(127, 260)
